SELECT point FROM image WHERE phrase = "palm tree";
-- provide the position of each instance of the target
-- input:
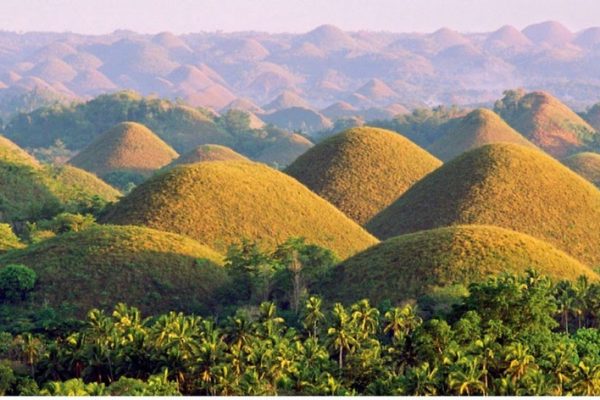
(30, 348)
(466, 378)
(565, 298)
(581, 289)
(313, 314)
(586, 381)
(520, 361)
(400, 322)
(341, 333)
(365, 317)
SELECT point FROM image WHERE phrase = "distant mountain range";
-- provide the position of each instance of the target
(326, 69)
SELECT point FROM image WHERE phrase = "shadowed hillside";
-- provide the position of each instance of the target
(586, 165)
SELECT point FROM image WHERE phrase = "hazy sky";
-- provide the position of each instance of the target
(182, 16)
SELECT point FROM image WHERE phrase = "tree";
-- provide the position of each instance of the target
(16, 281)
(586, 381)
(341, 334)
(7, 378)
(400, 322)
(313, 315)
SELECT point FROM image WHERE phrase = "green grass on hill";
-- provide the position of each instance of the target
(103, 265)
(221, 202)
(128, 146)
(504, 185)
(362, 170)
(585, 164)
(475, 129)
(409, 266)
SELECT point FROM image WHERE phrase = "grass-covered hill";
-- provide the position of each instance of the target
(505, 185)
(362, 170)
(475, 129)
(30, 191)
(77, 125)
(546, 122)
(207, 152)
(221, 202)
(285, 150)
(127, 147)
(409, 266)
(586, 164)
(103, 265)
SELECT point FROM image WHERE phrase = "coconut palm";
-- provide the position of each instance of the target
(341, 334)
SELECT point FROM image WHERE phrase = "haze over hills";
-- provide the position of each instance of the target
(323, 66)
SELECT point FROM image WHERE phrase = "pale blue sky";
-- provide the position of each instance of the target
(183, 16)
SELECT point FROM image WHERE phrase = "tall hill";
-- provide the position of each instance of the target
(587, 165)
(128, 146)
(362, 170)
(475, 129)
(218, 203)
(505, 185)
(546, 122)
(103, 265)
(409, 266)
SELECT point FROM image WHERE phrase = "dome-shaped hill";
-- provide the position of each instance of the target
(128, 146)
(475, 129)
(104, 265)
(409, 266)
(287, 99)
(208, 152)
(219, 203)
(508, 37)
(71, 184)
(10, 152)
(587, 165)
(505, 185)
(549, 32)
(362, 170)
(546, 122)
(285, 150)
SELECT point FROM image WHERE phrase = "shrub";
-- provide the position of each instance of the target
(16, 281)
(7, 378)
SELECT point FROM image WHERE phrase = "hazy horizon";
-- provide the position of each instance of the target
(187, 16)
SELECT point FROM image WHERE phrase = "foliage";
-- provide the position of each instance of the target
(16, 281)
(219, 202)
(362, 170)
(8, 239)
(508, 186)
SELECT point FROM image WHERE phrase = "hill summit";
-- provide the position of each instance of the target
(505, 185)
(362, 170)
(208, 152)
(128, 146)
(475, 129)
(219, 203)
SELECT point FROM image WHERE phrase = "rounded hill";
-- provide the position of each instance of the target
(10, 152)
(218, 203)
(208, 152)
(362, 170)
(475, 129)
(587, 165)
(285, 149)
(103, 265)
(409, 266)
(128, 146)
(72, 184)
(505, 185)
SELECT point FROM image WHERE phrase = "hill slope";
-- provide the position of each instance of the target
(408, 266)
(504, 185)
(285, 150)
(587, 165)
(362, 170)
(546, 122)
(219, 203)
(475, 129)
(103, 265)
(128, 146)
(208, 152)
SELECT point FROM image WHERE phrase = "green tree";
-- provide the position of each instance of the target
(16, 281)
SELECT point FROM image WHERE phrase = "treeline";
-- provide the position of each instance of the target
(509, 336)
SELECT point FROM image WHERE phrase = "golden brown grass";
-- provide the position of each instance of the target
(208, 152)
(479, 127)
(285, 150)
(550, 124)
(362, 170)
(504, 185)
(221, 202)
(142, 267)
(408, 266)
(128, 146)
(587, 165)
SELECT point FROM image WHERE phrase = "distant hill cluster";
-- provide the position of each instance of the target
(326, 72)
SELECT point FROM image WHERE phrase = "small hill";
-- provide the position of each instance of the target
(128, 146)
(377, 90)
(10, 152)
(409, 266)
(475, 129)
(588, 38)
(550, 32)
(218, 203)
(208, 152)
(507, 37)
(72, 185)
(329, 38)
(339, 109)
(103, 265)
(298, 119)
(592, 116)
(287, 99)
(285, 150)
(362, 170)
(505, 185)
(53, 70)
(243, 104)
(587, 165)
(446, 37)
(546, 122)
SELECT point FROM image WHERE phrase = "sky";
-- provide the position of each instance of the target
(185, 16)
